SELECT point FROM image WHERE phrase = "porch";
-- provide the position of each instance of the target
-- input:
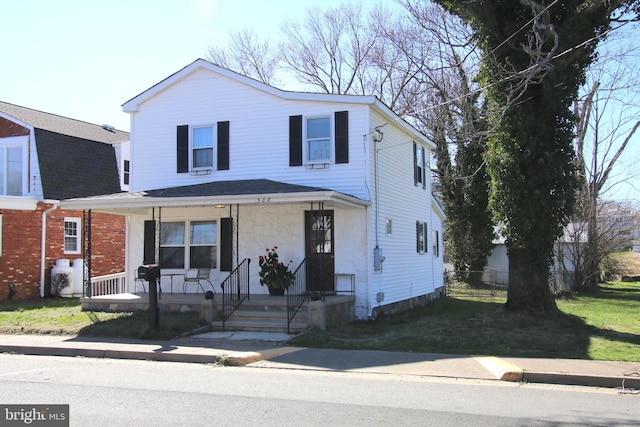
(258, 312)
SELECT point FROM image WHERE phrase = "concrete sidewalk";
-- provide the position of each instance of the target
(270, 351)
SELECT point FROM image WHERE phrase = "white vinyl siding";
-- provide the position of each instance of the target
(258, 141)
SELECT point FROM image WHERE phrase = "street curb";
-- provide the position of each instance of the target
(244, 358)
(159, 356)
(501, 369)
(583, 380)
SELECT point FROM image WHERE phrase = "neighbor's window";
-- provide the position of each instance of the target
(202, 146)
(125, 172)
(11, 171)
(318, 139)
(72, 235)
(388, 226)
(198, 249)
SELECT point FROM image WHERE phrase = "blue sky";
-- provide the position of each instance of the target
(84, 58)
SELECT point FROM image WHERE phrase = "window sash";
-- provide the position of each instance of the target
(202, 147)
(72, 235)
(318, 139)
(421, 231)
(197, 250)
(125, 172)
(11, 170)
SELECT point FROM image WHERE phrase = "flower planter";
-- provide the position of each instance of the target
(275, 292)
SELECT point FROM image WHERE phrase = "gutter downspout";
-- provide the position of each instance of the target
(43, 239)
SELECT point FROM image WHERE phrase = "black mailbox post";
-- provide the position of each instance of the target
(151, 273)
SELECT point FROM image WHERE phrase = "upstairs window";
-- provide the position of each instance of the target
(419, 166)
(202, 147)
(318, 140)
(72, 235)
(11, 171)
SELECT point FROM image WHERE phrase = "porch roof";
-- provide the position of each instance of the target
(252, 191)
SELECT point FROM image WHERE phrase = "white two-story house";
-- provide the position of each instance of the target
(230, 167)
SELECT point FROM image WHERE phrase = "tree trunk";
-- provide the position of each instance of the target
(529, 282)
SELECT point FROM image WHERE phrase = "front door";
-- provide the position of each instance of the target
(319, 250)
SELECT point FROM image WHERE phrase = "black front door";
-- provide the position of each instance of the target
(319, 250)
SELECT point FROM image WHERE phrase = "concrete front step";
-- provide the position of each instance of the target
(259, 325)
(264, 313)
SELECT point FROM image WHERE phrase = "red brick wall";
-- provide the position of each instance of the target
(21, 234)
(9, 128)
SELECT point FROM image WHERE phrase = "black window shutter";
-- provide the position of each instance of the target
(223, 146)
(182, 148)
(226, 244)
(342, 136)
(426, 238)
(424, 167)
(295, 140)
(415, 163)
(149, 254)
(418, 236)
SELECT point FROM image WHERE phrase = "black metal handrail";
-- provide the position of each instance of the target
(296, 293)
(235, 289)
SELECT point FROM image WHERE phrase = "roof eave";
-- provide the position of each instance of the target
(104, 204)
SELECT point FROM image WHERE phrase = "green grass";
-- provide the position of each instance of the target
(604, 325)
(62, 316)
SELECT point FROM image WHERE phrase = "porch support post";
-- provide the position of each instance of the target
(86, 282)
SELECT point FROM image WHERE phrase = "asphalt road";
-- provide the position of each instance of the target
(106, 392)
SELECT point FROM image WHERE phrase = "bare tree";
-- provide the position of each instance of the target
(608, 119)
(248, 55)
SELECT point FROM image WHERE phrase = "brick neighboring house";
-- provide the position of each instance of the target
(45, 158)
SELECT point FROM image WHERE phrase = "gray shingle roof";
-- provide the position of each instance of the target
(76, 158)
(63, 125)
(232, 188)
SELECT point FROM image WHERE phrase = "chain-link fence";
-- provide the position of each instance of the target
(493, 283)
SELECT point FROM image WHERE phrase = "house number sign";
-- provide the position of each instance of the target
(264, 200)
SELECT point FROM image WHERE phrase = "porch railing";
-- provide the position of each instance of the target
(296, 293)
(109, 284)
(235, 289)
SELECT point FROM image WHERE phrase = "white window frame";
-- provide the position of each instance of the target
(421, 166)
(187, 244)
(192, 148)
(4, 165)
(435, 237)
(0, 234)
(126, 172)
(388, 226)
(78, 223)
(306, 152)
(422, 238)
